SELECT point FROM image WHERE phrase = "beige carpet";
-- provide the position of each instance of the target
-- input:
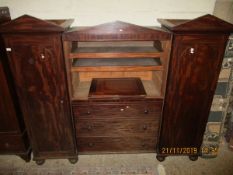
(124, 164)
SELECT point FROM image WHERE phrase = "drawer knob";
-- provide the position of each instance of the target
(91, 144)
(89, 127)
(88, 112)
(146, 111)
(122, 109)
(144, 127)
(143, 145)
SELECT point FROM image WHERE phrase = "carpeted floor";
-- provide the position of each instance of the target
(114, 164)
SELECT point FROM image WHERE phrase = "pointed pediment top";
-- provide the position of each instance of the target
(116, 27)
(116, 30)
(28, 23)
(206, 23)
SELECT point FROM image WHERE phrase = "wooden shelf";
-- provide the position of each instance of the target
(127, 64)
(115, 52)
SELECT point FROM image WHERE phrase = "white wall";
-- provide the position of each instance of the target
(91, 12)
(224, 9)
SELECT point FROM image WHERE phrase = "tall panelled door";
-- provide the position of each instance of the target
(13, 135)
(37, 64)
(197, 52)
(193, 74)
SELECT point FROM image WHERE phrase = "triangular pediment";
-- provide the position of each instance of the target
(206, 23)
(116, 31)
(117, 27)
(28, 23)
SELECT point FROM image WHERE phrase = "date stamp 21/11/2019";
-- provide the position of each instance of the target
(188, 150)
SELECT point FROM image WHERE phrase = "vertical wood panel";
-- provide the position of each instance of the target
(194, 68)
(38, 69)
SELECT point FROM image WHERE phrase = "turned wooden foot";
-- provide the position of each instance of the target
(73, 160)
(160, 158)
(193, 158)
(40, 162)
(26, 156)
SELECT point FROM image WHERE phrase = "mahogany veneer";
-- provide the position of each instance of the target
(108, 87)
(100, 124)
(114, 106)
(77, 105)
(197, 51)
(35, 55)
(13, 134)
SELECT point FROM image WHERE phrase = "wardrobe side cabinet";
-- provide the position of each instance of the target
(197, 51)
(34, 51)
(13, 135)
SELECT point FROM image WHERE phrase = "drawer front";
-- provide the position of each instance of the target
(12, 143)
(111, 110)
(116, 128)
(116, 144)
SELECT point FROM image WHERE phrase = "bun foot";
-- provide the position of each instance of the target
(193, 158)
(160, 158)
(73, 160)
(40, 162)
(26, 158)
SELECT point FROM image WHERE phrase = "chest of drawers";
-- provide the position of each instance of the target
(117, 126)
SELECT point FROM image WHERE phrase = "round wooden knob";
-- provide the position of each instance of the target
(89, 127)
(144, 127)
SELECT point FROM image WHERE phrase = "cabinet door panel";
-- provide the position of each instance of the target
(38, 69)
(193, 74)
(8, 118)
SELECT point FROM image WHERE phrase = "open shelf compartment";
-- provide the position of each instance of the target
(134, 49)
(116, 50)
(151, 82)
